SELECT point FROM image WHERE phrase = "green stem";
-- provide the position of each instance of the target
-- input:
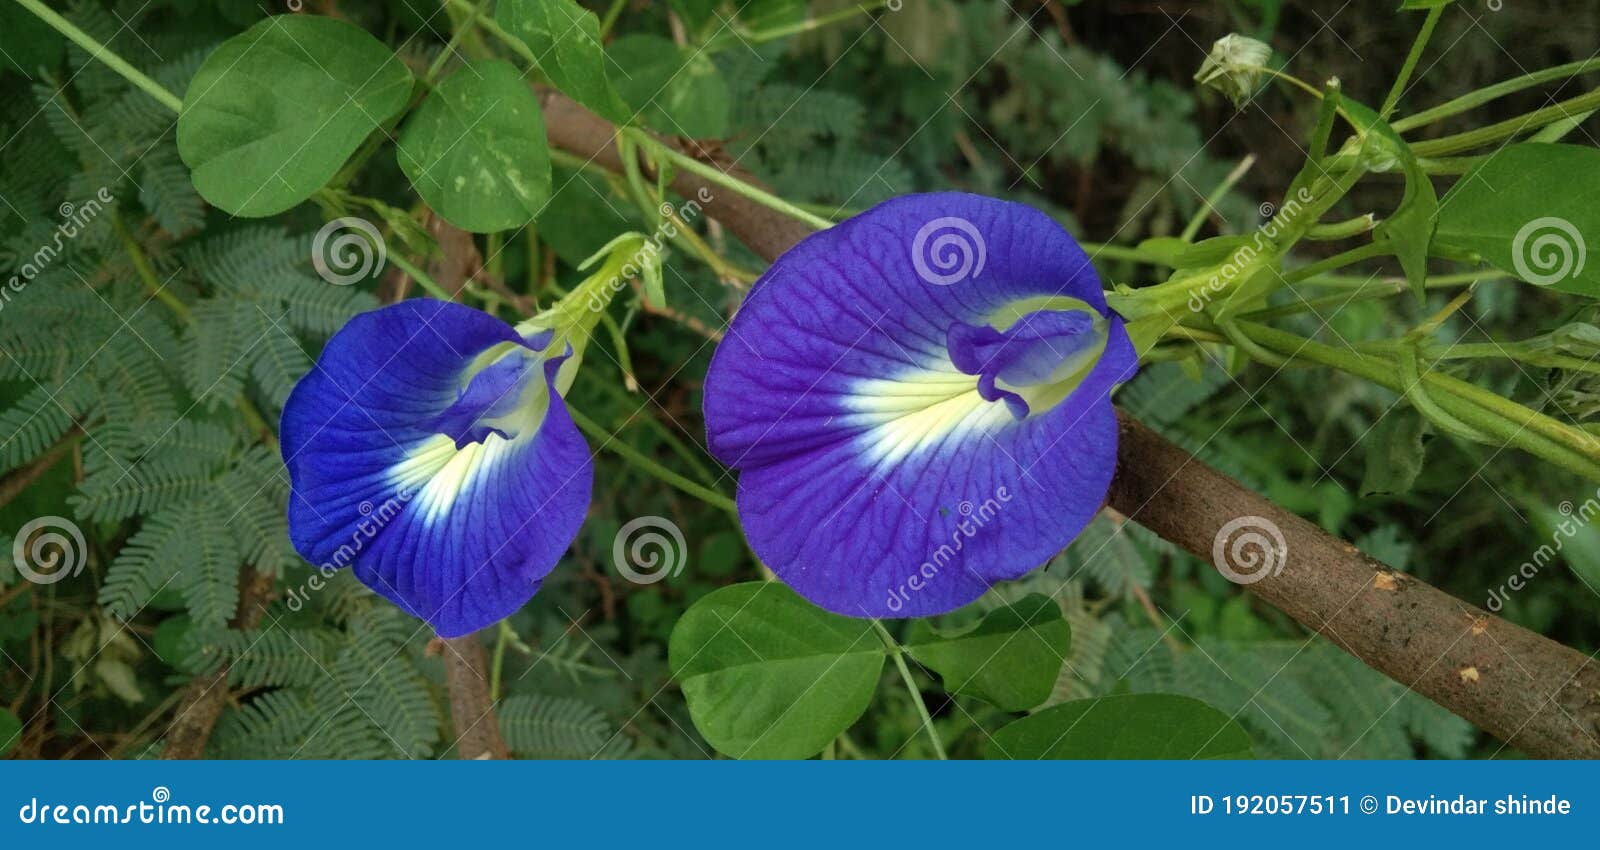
(1440, 281)
(809, 24)
(502, 638)
(630, 454)
(462, 29)
(1509, 127)
(689, 456)
(612, 14)
(1337, 261)
(1513, 351)
(147, 275)
(911, 685)
(1506, 420)
(421, 277)
(1103, 250)
(725, 180)
(1472, 100)
(489, 25)
(1347, 229)
(1410, 65)
(1216, 197)
(104, 54)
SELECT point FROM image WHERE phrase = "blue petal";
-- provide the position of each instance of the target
(898, 403)
(449, 480)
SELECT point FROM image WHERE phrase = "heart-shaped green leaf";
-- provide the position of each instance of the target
(475, 149)
(676, 90)
(1529, 209)
(1131, 726)
(769, 675)
(1010, 658)
(565, 40)
(276, 110)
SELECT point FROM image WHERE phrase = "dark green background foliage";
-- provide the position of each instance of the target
(149, 362)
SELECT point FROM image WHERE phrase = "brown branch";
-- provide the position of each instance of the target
(471, 704)
(1527, 690)
(14, 482)
(206, 696)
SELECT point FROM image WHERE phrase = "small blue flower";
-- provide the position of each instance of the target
(918, 402)
(430, 450)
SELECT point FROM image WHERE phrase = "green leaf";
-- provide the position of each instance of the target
(769, 675)
(565, 40)
(1132, 726)
(476, 151)
(676, 90)
(10, 731)
(1529, 209)
(1010, 658)
(1394, 453)
(1410, 228)
(1409, 5)
(276, 110)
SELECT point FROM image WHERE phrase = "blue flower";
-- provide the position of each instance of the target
(918, 402)
(431, 451)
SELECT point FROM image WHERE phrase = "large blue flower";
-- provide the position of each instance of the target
(431, 451)
(918, 402)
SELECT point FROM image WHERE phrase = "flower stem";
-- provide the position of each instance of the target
(911, 685)
(103, 54)
(421, 277)
(1509, 127)
(1472, 100)
(726, 180)
(1410, 65)
(809, 24)
(1216, 196)
(630, 454)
